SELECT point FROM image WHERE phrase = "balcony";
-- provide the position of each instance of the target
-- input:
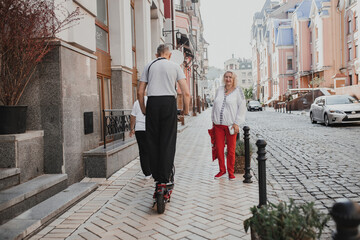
(179, 7)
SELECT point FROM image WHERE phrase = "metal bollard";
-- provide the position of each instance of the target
(346, 215)
(247, 175)
(261, 144)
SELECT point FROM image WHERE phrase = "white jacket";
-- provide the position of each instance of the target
(229, 109)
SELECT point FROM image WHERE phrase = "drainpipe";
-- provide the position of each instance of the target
(172, 24)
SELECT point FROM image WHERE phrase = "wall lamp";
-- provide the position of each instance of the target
(166, 32)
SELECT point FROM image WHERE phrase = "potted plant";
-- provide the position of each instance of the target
(286, 221)
(26, 30)
(240, 156)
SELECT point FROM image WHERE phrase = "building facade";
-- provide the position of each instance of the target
(243, 70)
(301, 45)
(93, 66)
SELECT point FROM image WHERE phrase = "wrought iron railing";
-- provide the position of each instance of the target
(115, 122)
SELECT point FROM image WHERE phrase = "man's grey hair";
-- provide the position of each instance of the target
(162, 48)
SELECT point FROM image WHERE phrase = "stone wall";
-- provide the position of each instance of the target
(121, 86)
(64, 87)
(23, 151)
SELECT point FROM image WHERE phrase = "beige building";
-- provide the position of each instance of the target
(243, 69)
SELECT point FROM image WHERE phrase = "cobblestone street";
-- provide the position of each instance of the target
(308, 162)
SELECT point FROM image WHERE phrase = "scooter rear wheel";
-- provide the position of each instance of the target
(160, 203)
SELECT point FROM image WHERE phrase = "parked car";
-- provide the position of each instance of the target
(335, 109)
(254, 105)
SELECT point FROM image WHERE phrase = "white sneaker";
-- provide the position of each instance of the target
(147, 177)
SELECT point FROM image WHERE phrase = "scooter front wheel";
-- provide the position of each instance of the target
(160, 203)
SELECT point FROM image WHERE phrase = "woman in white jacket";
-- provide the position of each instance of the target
(227, 114)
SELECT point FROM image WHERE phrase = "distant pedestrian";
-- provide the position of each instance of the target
(160, 77)
(137, 123)
(227, 114)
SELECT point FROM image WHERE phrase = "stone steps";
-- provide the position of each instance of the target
(40, 215)
(17, 199)
(9, 177)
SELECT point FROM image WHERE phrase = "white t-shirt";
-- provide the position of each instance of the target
(140, 117)
(162, 77)
(229, 109)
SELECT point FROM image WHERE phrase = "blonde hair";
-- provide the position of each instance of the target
(234, 77)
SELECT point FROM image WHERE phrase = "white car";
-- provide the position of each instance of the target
(254, 106)
(335, 109)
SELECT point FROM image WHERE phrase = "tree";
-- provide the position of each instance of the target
(248, 92)
(317, 81)
(27, 28)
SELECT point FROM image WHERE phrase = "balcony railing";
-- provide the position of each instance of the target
(179, 7)
(116, 122)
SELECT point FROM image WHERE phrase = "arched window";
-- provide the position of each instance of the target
(349, 24)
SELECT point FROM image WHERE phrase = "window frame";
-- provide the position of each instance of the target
(105, 28)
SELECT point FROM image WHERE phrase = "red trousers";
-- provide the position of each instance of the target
(222, 131)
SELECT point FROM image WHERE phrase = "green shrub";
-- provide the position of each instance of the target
(287, 221)
(240, 148)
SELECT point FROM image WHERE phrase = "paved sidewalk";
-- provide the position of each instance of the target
(200, 208)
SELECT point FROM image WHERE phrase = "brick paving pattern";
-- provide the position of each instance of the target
(200, 208)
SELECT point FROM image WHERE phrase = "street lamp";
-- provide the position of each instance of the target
(195, 67)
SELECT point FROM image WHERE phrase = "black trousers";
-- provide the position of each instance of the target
(143, 152)
(161, 130)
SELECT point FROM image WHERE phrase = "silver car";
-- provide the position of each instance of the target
(254, 106)
(335, 109)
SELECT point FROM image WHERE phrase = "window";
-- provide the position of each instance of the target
(289, 64)
(349, 25)
(244, 81)
(356, 23)
(101, 39)
(349, 53)
(310, 37)
(290, 84)
(350, 80)
(105, 97)
(102, 29)
(101, 11)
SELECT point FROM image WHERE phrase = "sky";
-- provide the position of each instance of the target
(227, 28)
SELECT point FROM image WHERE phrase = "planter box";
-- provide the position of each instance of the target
(102, 163)
(12, 119)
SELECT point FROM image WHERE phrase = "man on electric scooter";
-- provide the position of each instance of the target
(160, 77)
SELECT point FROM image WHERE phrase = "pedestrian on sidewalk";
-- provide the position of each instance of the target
(137, 125)
(160, 77)
(227, 114)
